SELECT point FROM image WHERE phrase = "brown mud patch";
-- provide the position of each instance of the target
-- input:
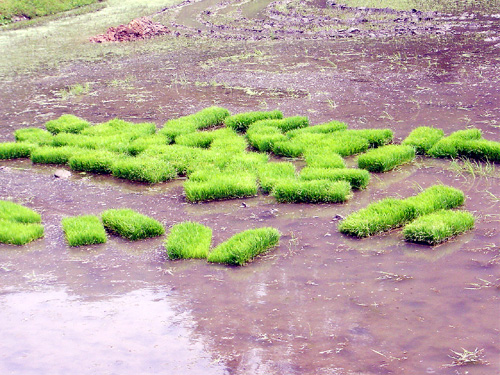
(140, 28)
(321, 303)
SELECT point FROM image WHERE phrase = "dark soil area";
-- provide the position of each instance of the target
(321, 303)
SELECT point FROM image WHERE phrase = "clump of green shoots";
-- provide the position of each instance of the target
(15, 150)
(358, 178)
(423, 138)
(437, 227)
(66, 124)
(131, 224)
(244, 246)
(272, 173)
(143, 169)
(83, 230)
(18, 224)
(189, 240)
(386, 158)
(316, 191)
(241, 121)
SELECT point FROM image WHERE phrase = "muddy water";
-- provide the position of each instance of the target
(320, 303)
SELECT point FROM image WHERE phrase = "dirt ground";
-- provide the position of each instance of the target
(321, 303)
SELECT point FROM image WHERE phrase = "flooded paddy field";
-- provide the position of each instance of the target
(321, 302)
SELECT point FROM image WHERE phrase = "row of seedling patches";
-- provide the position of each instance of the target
(467, 143)
(428, 215)
(127, 223)
(193, 240)
(19, 225)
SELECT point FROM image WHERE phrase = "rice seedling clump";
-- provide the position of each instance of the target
(435, 198)
(204, 186)
(143, 169)
(375, 137)
(327, 127)
(66, 124)
(323, 158)
(241, 121)
(263, 137)
(358, 178)
(131, 224)
(448, 147)
(203, 119)
(271, 173)
(15, 233)
(385, 158)
(98, 161)
(18, 224)
(188, 240)
(423, 138)
(317, 191)
(244, 246)
(480, 149)
(33, 135)
(438, 227)
(53, 155)
(83, 230)
(15, 150)
(15, 212)
(378, 217)
(196, 139)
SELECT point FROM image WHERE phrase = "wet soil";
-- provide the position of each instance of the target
(321, 303)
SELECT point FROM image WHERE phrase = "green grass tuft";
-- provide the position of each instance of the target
(33, 135)
(244, 246)
(480, 149)
(241, 121)
(271, 173)
(358, 178)
(448, 147)
(15, 150)
(392, 213)
(53, 155)
(66, 124)
(209, 185)
(438, 227)
(375, 137)
(325, 128)
(143, 169)
(197, 139)
(262, 137)
(386, 158)
(15, 212)
(317, 191)
(323, 158)
(84, 230)
(15, 233)
(378, 217)
(141, 144)
(423, 138)
(435, 198)
(97, 161)
(189, 240)
(131, 224)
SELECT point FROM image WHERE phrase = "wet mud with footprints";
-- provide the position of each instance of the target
(321, 302)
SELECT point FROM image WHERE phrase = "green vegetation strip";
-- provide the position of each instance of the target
(143, 169)
(392, 213)
(15, 150)
(189, 240)
(66, 124)
(244, 246)
(241, 121)
(423, 138)
(205, 186)
(358, 178)
(30, 9)
(131, 224)
(18, 224)
(83, 230)
(438, 227)
(318, 191)
(272, 173)
(386, 158)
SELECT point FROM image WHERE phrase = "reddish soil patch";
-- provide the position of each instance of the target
(140, 28)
